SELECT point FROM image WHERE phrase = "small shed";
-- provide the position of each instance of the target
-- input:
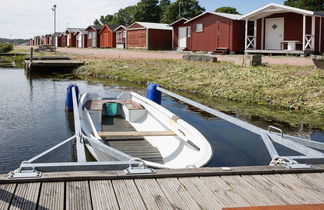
(216, 32)
(181, 35)
(81, 38)
(58, 39)
(37, 40)
(281, 29)
(71, 37)
(150, 36)
(63, 38)
(120, 36)
(93, 36)
(107, 36)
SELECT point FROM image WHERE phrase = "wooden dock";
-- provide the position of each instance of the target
(48, 65)
(206, 188)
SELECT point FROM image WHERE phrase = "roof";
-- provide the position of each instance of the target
(225, 15)
(73, 30)
(121, 26)
(185, 19)
(273, 8)
(160, 26)
(112, 27)
(83, 31)
(98, 28)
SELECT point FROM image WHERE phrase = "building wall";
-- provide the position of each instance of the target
(89, 40)
(160, 39)
(322, 36)
(107, 38)
(176, 34)
(218, 32)
(136, 39)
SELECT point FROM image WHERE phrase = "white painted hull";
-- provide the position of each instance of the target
(188, 148)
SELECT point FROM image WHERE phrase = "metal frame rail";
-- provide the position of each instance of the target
(298, 144)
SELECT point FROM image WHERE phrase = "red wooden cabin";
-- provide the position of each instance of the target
(150, 36)
(107, 36)
(120, 37)
(281, 29)
(37, 40)
(93, 36)
(71, 37)
(181, 35)
(215, 32)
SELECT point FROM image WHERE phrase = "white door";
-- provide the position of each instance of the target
(79, 40)
(182, 39)
(94, 39)
(274, 33)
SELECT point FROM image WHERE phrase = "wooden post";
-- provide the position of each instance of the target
(31, 54)
(255, 34)
(262, 34)
(313, 33)
(246, 33)
(147, 38)
(304, 31)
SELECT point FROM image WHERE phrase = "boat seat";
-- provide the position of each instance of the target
(97, 104)
(134, 134)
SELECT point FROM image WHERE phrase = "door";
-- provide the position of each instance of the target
(79, 40)
(182, 40)
(274, 33)
(94, 39)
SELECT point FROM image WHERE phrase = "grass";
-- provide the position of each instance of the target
(275, 86)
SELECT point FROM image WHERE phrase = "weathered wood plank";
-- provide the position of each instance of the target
(200, 193)
(127, 195)
(51, 195)
(301, 195)
(271, 191)
(224, 192)
(103, 195)
(78, 195)
(313, 179)
(134, 134)
(282, 207)
(6, 194)
(247, 191)
(152, 195)
(177, 194)
(26, 196)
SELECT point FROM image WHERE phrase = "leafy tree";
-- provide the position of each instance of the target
(124, 16)
(104, 20)
(229, 10)
(147, 11)
(313, 5)
(188, 9)
(164, 4)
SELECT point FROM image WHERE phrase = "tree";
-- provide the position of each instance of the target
(313, 5)
(229, 10)
(147, 11)
(188, 9)
(103, 20)
(124, 16)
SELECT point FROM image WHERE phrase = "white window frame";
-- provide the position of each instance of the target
(199, 27)
(189, 31)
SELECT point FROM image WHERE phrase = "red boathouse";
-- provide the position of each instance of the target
(107, 36)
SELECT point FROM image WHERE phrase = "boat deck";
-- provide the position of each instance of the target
(207, 188)
(137, 147)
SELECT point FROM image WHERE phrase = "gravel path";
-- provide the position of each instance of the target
(133, 54)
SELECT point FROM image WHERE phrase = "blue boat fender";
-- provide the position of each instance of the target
(152, 93)
(69, 100)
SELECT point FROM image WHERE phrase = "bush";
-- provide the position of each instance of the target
(6, 47)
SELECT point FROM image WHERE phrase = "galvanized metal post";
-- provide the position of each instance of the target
(31, 54)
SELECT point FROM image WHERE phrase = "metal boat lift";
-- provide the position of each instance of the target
(31, 168)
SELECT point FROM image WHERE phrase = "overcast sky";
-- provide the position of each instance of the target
(27, 18)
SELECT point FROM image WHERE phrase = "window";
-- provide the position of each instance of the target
(199, 27)
(189, 31)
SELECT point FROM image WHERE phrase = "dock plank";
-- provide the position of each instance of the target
(78, 195)
(247, 191)
(313, 178)
(224, 192)
(6, 194)
(271, 191)
(103, 195)
(200, 193)
(301, 195)
(177, 194)
(128, 195)
(152, 195)
(51, 196)
(26, 196)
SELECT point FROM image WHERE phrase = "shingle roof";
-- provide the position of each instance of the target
(73, 30)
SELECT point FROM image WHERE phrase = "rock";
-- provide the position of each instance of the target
(318, 61)
(201, 58)
(248, 60)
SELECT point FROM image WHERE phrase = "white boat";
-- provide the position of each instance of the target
(136, 126)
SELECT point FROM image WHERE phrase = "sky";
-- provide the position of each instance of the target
(28, 18)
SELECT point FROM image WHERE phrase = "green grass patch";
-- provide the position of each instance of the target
(275, 86)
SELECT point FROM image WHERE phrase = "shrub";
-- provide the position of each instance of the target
(6, 47)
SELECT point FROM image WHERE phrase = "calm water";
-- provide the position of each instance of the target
(32, 119)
